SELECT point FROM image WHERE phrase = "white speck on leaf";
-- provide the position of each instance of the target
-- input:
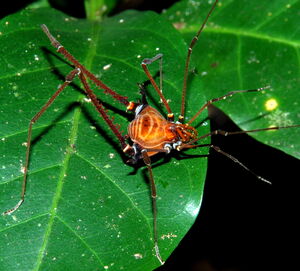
(106, 67)
(138, 256)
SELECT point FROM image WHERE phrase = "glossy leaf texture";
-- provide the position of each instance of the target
(249, 45)
(85, 208)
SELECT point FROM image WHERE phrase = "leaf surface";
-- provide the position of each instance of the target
(249, 45)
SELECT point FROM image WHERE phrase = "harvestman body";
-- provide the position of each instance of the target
(150, 132)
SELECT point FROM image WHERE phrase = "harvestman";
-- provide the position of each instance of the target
(149, 131)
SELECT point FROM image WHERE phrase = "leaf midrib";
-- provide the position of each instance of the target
(243, 33)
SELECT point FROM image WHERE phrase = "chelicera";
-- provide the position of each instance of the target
(149, 132)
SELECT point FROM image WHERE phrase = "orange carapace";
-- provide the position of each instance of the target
(150, 130)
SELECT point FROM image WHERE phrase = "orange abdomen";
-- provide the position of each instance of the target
(151, 130)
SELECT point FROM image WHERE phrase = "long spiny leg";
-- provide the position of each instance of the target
(68, 56)
(147, 162)
(99, 107)
(148, 61)
(229, 94)
(187, 62)
(191, 144)
(217, 149)
(68, 80)
(226, 133)
(144, 64)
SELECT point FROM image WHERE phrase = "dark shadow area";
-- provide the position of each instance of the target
(9, 7)
(75, 8)
(55, 122)
(48, 54)
(244, 224)
(142, 5)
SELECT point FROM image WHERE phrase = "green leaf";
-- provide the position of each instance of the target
(86, 208)
(249, 45)
(39, 4)
(95, 9)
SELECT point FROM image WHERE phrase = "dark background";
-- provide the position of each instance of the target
(244, 224)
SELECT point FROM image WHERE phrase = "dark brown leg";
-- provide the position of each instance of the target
(68, 56)
(225, 133)
(99, 107)
(217, 149)
(69, 79)
(147, 162)
(187, 62)
(229, 94)
(144, 64)
(191, 145)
